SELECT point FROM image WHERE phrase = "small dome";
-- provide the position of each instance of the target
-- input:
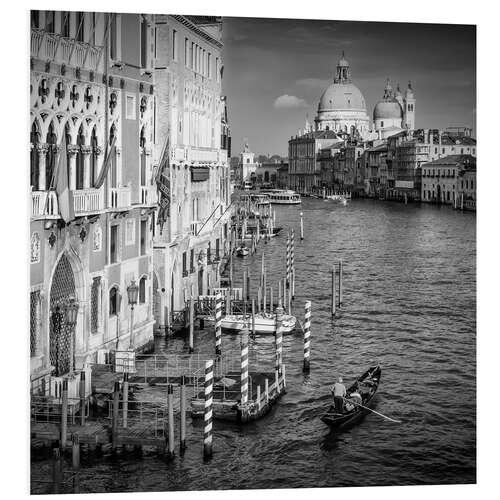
(343, 62)
(387, 109)
(341, 96)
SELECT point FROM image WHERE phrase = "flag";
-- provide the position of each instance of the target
(163, 184)
(106, 164)
(64, 194)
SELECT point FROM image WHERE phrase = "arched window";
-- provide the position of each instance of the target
(142, 290)
(34, 157)
(80, 141)
(114, 301)
(114, 176)
(93, 157)
(50, 159)
(142, 145)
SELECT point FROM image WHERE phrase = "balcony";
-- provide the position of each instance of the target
(200, 155)
(148, 196)
(88, 200)
(120, 197)
(61, 50)
(44, 204)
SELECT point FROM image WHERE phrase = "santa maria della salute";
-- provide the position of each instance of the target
(342, 108)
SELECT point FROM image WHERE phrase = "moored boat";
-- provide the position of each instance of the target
(264, 322)
(242, 251)
(283, 197)
(359, 393)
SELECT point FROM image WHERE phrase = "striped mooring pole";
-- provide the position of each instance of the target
(279, 338)
(307, 336)
(218, 324)
(288, 260)
(292, 264)
(244, 366)
(207, 429)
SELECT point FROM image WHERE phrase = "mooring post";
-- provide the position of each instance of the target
(183, 413)
(271, 303)
(279, 338)
(287, 278)
(340, 282)
(293, 283)
(333, 291)
(82, 397)
(264, 289)
(244, 366)
(115, 415)
(301, 226)
(283, 368)
(64, 414)
(125, 400)
(279, 290)
(259, 298)
(292, 260)
(258, 397)
(266, 389)
(289, 308)
(191, 324)
(171, 421)
(253, 317)
(218, 324)
(75, 451)
(307, 336)
(248, 284)
(207, 430)
(284, 293)
(56, 470)
(244, 285)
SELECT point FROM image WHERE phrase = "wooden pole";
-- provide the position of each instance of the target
(253, 317)
(264, 289)
(115, 415)
(64, 414)
(75, 451)
(248, 285)
(259, 298)
(301, 226)
(218, 324)
(340, 282)
(307, 336)
(244, 285)
(125, 400)
(279, 291)
(271, 303)
(244, 367)
(191, 324)
(82, 397)
(183, 413)
(171, 422)
(207, 429)
(333, 291)
(293, 283)
(56, 470)
(284, 293)
(266, 389)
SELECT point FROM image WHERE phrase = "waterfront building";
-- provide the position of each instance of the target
(191, 158)
(342, 107)
(445, 179)
(91, 121)
(266, 173)
(282, 181)
(376, 174)
(304, 166)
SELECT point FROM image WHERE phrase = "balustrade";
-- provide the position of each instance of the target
(44, 203)
(120, 197)
(88, 200)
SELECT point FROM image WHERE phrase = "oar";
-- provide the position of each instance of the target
(373, 411)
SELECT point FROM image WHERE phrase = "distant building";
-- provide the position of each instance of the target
(304, 166)
(445, 179)
(267, 172)
(247, 166)
(282, 181)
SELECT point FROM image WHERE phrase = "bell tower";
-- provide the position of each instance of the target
(409, 108)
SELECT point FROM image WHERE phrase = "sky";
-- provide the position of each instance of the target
(275, 71)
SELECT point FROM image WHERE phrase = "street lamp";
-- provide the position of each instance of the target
(70, 317)
(132, 291)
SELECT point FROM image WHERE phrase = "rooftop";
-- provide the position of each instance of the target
(464, 160)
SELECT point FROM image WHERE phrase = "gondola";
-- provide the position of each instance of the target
(361, 392)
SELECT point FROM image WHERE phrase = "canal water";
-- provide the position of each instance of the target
(409, 304)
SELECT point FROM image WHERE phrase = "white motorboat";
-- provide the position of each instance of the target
(264, 322)
(338, 198)
(283, 197)
(242, 251)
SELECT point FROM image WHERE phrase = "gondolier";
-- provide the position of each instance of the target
(339, 391)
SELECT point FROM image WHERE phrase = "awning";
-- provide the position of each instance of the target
(199, 174)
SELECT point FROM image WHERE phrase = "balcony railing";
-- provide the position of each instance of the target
(54, 47)
(44, 203)
(88, 200)
(148, 195)
(120, 197)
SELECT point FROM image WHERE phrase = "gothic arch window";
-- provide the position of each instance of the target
(114, 306)
(50, 158)
(113, 169)
(80, 141)
(34, 156)
(93, 156)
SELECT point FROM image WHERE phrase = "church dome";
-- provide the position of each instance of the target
(387, 109)
(341, 96)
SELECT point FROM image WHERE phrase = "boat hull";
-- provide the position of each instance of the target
(262, 324)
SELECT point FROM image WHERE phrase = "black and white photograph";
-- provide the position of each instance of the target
(252, 249)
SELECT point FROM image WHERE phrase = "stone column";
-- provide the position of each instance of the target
(42, 166)
(72, 150)
(86, 151)
(99, 306)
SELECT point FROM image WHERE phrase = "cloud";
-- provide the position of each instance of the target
(289, 102)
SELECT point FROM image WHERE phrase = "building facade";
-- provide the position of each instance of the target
(191, 156)
(92, 198)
